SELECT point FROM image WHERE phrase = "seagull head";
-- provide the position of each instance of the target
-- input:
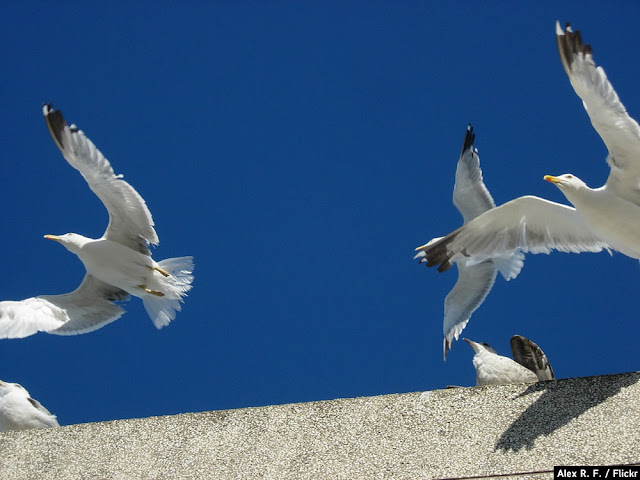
(480, 347)
(71, 241)
(566, 182)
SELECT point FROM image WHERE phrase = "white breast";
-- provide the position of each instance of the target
(614, 219)
(116, 264)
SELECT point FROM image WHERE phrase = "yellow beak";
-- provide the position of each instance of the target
(552, 179)
(52, 237)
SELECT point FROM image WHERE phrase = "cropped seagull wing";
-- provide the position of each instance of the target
(470, 195)
(473, 285)
(528, 224)
(87, 308)
(620, 132)
(530, 355)
(130, 221)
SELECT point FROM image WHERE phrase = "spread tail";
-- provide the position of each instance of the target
(162, 310)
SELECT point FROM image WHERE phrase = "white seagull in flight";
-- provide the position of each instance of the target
(118, 265)
(530, 364)
(603, 218)
(18, 411)
(472, 198)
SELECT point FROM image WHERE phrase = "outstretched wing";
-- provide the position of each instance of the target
(87, 308)
(620, 132)
(472, 198)
(527, 224)
(130, 221)
(470, 195)
(473, 285)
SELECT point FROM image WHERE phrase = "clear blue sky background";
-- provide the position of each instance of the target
(301, 151)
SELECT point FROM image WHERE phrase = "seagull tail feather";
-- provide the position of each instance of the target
(180, 271)
(162, 310)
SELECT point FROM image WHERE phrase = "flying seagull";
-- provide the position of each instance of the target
(118, 265)
(472, 198)
(530, 364)
(603, 218)
(18, 411)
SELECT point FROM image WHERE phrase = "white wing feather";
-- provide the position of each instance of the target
(87, 308)
(528, 224)
(472, 198)
(473, 285)
(620, 132)
(130, 221)
(470, 195)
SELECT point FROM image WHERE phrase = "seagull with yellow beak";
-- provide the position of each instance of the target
(118, 264)
(602, 218)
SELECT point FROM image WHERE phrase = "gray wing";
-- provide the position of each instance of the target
(620, 132)
(130, 222)
(531, 356)
(473, 285)
(470, 195)
(87, 308)
(472, 198)
(527, 224)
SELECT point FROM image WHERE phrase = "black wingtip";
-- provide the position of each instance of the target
(570, 44)
(469, 138)
(563, 40)
(446, 347)
(55, 123)
(437, 253)
(444, 266)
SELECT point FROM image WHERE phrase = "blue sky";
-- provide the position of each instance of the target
(300, 151)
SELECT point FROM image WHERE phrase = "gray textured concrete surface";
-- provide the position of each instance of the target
(453, 433)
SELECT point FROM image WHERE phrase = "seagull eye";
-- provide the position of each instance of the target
(569, 176)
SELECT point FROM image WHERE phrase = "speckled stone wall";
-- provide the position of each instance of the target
(514, 429)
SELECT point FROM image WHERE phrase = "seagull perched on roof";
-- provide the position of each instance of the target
(472, 198)
(603, 218)
(118, 264)
(530, 364)
(18, 411)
